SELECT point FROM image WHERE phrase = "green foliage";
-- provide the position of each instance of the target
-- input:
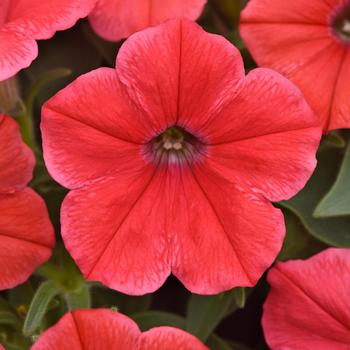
(8, 318)
(337, 201)
(129, 305)
(214, 342)
(333, 231)
(151, 319)
(39, 306)
(298, 243)
(204, 313)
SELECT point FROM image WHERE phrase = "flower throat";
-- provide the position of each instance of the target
(175, 145)
(341, 24)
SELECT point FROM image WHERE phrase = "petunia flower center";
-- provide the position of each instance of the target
(175, 144)
(341, 24)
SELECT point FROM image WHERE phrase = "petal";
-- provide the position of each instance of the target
(116, 19)
(300, 53)
(290, 47)
(148, 65)
(168, 338)
(17, 52)
(176, 72)
(272, 148)
(16, 158)
(291, 12)
(260, 109)
(299, 44)
(115, 231)
(27, 20)
(41, 19)
(308, 305)
(161, 10)
(223, 236)
(340, 109)
(131, 223)
(26, 236)
(318, 81)
(90, 330)
(91, 130)
(212, 72)
(4, 5)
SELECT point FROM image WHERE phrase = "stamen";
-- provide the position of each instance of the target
(346, 26)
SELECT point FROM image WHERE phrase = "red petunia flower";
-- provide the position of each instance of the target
(308, 305)
(107, 330)
(117, 19)
(173, 159)
(308, 42)
(26, 234)
(24, 21)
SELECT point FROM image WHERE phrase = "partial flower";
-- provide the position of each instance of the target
(26, 234)
(22, 22)
(117, 19)
(308, 42)
(108, 330)
(308, 305)
(173, 160)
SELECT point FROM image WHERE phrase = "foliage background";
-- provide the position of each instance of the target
(318, 217)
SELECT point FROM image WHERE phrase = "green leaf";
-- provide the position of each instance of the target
(21, 296)
(238, 346)
(216, 343)
(298, 243)
(238, 300)
(108, 50)
(240, 297)
(9, 319)
(204, 313)
(79, 298)
(62, 271)
(335, 139)
(66, 50)
(41, 82)
(51, 271)
(151, 319)
(126, 304)
(39, 306)
(4, 304)
(236, 39)
(333, 231)
(10, 346)
(14, 341)
(53, 197)
(296, 237)
(337, 200)
(26, 117)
